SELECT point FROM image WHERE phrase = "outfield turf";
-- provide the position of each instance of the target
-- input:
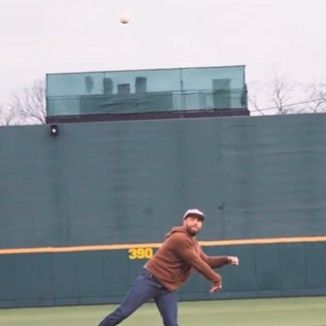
(305, 311)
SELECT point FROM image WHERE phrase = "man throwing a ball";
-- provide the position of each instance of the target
(168, 269)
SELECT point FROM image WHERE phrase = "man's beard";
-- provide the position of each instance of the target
(191, 231)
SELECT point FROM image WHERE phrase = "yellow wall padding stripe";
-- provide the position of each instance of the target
(126, 246)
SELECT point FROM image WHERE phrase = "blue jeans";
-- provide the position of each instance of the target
(144, 288)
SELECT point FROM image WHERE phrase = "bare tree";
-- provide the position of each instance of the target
(28, 107)
(316, 98)
(6, 116)
(281, 94)
(323, 94)
(2, 115)
(276, 96)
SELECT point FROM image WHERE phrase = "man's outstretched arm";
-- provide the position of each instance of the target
(219, 261)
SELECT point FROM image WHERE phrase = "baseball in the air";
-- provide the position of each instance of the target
(125, 18)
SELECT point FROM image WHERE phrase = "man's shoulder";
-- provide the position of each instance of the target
(178, 237)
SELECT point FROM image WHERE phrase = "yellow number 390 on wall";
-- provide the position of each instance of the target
(140, 253)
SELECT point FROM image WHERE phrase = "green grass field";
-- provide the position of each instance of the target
(304, 311)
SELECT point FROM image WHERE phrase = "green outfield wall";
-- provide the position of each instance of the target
(103, 277)
(125, 183)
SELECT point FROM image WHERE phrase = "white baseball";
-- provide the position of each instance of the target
(125, 18)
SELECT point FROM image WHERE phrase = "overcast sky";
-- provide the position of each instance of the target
(46, 36)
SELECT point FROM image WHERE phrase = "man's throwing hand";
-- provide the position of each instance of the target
(233, 260)
(216, 287)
